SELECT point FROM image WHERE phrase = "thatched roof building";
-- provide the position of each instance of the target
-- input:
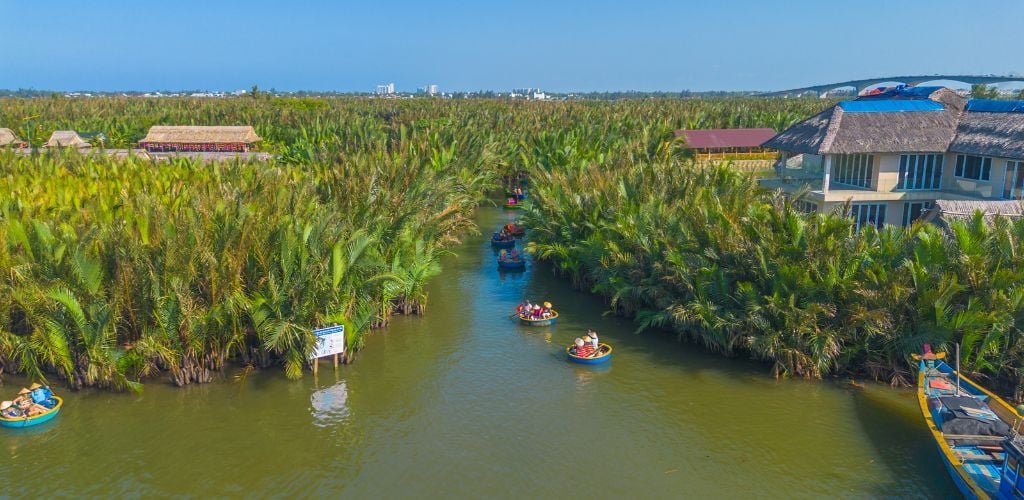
(199, 138)
(946, 211)
(991, 128)
(921, 120)
(66, 139)
(8, 139)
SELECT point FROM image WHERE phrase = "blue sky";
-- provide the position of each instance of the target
(555, 45)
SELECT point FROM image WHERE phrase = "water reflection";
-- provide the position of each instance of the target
(330, 405)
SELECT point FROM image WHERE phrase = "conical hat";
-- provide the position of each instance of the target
(547, 305)
(6, 404)
(24, 391)
(34, 386)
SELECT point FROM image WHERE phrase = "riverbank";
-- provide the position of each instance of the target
(707, 254)
(468, 403)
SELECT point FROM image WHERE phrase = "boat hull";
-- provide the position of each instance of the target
(967, 486)
(517, 206)
(607, 356)
(503, 243)
(512, 266)
(539, 322)
(17, 423)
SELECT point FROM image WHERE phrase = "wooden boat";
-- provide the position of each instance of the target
(972, 429)
(19, 422)
(512, 265)
(540, 322)
(499, 243)
(605, 351)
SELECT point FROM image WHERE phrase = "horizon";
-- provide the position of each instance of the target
(571, 47)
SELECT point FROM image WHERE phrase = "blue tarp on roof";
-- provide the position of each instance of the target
(990, 106)
(890, 105)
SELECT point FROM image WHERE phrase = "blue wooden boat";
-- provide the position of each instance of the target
(605, 351)
(540, 322)
(512, 265)
(500, 243)
(973, 430)
(19, 422)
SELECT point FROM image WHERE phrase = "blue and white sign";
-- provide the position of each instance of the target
(330, 340)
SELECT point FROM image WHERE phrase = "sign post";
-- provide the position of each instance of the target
(329, 341)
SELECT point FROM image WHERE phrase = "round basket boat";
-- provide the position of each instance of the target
(513, 206)
(512, 265)
(540, 322)
(604, 349)
(18, 422)
(509, 243)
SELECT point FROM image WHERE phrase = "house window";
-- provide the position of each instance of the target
(804, 206)
(1013, 181)
(973, 167)
(913, 210)
(920, 172)
(864, 214)
(852, 170)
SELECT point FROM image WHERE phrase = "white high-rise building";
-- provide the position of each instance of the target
(388, 89)
(432, 89)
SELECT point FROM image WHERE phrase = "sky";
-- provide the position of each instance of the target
(560, 46)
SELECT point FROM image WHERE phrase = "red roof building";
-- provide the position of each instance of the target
(727, 140)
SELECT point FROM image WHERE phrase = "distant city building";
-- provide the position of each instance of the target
(388, 89)
(528, 93)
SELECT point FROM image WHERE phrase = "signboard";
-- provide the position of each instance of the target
(330, 340)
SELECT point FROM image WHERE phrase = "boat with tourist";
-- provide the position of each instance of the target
(536, 314)
(503, 239)
(600, 355)
(973, 428)
(32, 406)
(511, 260)
(513, 204)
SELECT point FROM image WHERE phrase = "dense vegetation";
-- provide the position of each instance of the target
(704, 253)
(115, 270)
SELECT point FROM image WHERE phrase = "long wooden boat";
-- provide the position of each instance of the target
(512, 265)
(540, 322)
(605, 351)
(18, 422)
(499, 243)
(972, 428)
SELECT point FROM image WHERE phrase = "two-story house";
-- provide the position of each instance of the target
(890, 156)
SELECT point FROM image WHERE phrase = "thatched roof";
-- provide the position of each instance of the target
(894, 128)
(946, 211)
(193, 134)
(990, 134)
(7, 138)
(66, 139)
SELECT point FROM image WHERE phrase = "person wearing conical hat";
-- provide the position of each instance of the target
(593, 339)
(7, 409)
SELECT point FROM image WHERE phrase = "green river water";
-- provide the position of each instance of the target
(463, 402)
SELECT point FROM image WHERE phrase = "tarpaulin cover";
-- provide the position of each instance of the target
(889, 106)
(956, 420)
(990, 106)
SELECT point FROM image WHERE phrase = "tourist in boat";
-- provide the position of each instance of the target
(9, 410)
(512, 201)
(593, 339)
(514, 255)
(42, 395)
(583, 349)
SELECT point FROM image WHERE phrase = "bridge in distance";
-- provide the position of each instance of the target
(860, 85)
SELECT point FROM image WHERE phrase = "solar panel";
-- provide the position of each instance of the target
(990, 106)
(890, 106)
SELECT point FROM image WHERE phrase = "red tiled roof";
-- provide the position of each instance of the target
(726, 137)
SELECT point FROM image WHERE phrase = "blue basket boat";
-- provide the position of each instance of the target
(512, 265)
(605, 351)
(972, 429)
(540, 322)
(497, 243)
(18, 422)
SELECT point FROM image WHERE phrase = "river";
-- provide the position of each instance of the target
(465, 402)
